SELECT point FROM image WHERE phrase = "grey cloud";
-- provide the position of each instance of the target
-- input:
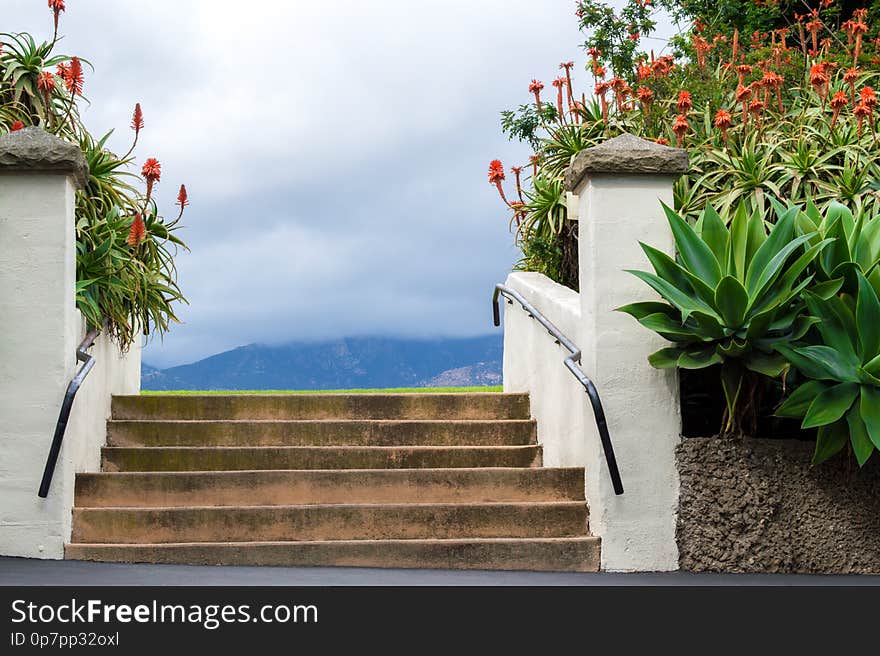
(335, 152)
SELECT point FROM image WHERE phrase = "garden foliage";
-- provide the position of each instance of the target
(776, 274)
(126, 277)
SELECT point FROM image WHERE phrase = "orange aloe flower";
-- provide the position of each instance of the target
(138, 231)
(535, 88)
(723, 120)
(851, 77)
(152, 173)
(680, 127)
(838, 102)
(559, 83)
(496, 177)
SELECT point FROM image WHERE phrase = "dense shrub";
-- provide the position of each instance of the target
(126, 278)
(786, 114)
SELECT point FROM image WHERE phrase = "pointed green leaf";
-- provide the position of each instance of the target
(826, 290)
(665, 358)
(699, 359)
(820, 362)
(695, 254)
(714, 233)
(869, 409)
(666, 267)
(770, 365)
(830, 440)
(671, 329)
(796, 405)
(739, 242)
(780, 236)
(642, 310)
(868, 319)
(681, 300)
(858, 436)
(830, 405)
(731, 299)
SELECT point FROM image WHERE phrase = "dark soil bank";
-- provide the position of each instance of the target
(758, 506)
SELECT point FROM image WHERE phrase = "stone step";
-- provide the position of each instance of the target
(322, 432)
(146, 459)
(330, 522)
(270, 488)
(324, 406)
(545, 554)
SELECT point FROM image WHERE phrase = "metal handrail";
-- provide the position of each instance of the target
(60, 428)
(572, 364)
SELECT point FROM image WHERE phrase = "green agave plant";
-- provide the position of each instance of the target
(733, 297)
(855, 246)
(842, 397)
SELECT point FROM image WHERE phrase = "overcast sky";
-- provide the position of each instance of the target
(335, 152)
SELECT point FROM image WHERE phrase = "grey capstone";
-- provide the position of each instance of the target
(626, 154)
(34, 149)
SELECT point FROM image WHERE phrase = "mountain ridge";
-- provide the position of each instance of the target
(346, 363)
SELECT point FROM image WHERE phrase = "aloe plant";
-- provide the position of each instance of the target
(842, 397)
(732, 298)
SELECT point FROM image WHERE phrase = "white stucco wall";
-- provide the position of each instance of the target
(641, 403)
(533, 363)
(40, 331)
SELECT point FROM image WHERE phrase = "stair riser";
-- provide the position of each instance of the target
(270, 488)
(321, 433)
(226, 459)
(333, 406)
(137, 526)
(578, 555)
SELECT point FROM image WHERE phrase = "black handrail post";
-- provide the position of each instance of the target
(66, 406)
(572, 364)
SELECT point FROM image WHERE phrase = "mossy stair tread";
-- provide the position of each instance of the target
(322, 432)
(331, 522)
(281, 487)
(579, 554)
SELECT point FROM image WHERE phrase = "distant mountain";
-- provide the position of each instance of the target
(351, 363)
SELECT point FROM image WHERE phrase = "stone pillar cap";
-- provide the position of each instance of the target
(34, 149)
(626, 154)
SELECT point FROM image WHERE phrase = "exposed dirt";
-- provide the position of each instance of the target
(758, 506)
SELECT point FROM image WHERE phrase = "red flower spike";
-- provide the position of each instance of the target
(535, 88)
(46, 82)
(57, 6)
(819, 80)
(16, 126)
(567, 66)
(73, 76)
(137, 119)
(517, 172)
(646, 97)
(152, 173)
(868, 97)
(723, 120)
(138, 231)
(684, 103)
(182, 198)
(860, 112)
(559, 83)
(46, 85)
(680, 127)
(838, 102)
(496, 177)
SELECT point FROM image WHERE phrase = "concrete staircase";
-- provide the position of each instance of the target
(451, 481)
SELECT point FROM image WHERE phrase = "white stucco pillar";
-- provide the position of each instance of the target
(40, 329)
(619, 185)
